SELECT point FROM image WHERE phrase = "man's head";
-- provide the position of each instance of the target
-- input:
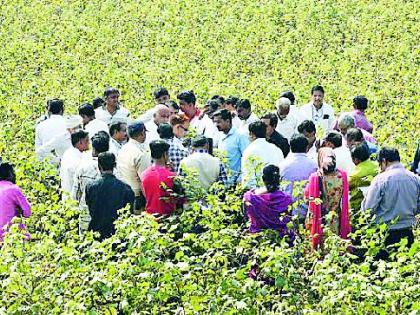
(231, 103)
(299, 143)
(200, 142)
(159, 151)
(98, 102)
(283, 107)
(317, 94)
(87, 112)
(270, 120)
(354, 136)
(243, 108)
(307, 128)
(118, 131)
(137, 131)
(360, 102)
(55, 107)
(212, 106)
(359, 153)
(345, 122)
(106, 162)
(187, 101)
(388, 156)
(111, 96)
(161, 95)
(161, 115)
(223, 120)
(333, 140)
(100, 144)
(173, 107)
(7, 173)
(180, 125)
(289, 95)
(165, 131)
(80, 140)
(257, 130)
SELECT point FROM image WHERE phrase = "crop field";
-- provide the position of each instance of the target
(255, 49)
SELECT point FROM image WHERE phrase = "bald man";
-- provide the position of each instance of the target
(288, 122)
(161, 115)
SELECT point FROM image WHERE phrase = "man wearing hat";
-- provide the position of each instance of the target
(133, 159)
(209, 168)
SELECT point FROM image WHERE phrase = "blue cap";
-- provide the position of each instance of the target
(136, 127)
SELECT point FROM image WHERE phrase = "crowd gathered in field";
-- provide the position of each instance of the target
(107, 160)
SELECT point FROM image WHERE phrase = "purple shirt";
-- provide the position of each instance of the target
(11, 200)
(297, 167)
(361, 121)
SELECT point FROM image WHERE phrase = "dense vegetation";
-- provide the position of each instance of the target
(199, 261)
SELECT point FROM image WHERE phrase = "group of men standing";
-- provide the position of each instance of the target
(136, 161)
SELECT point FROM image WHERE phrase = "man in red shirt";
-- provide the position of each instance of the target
(158, 181)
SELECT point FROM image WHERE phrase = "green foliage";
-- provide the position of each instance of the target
(198, 261)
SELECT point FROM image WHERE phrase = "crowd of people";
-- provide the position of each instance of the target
(107, 159)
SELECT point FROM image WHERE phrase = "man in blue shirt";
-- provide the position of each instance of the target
(232, 143)
(394, 195)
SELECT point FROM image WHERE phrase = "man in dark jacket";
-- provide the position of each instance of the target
(415, 167)
(105, 196)
(271, 120)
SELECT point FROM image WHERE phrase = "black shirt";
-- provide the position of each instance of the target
(104, 197)
(280, 142)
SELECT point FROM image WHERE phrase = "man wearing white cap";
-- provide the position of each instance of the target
(52, 136)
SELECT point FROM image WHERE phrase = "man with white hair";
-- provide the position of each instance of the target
(346, 122)
(161, 115)
(287, 123)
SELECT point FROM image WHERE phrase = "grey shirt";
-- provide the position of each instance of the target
(394, 194)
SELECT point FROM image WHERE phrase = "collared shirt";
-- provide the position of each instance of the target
(322, 117)
(176, 153)
(151, 133)
(207, 128)
(96, 125)
(281, 142)
(244, 124)
(52, 139)
(104, 197)
(287, 126)
(120, 114)
(359, 180)
(115, 146)
(69, 163)
(233, 144)
(156, 181)
(133, 159)
(259, 151)
(343, 159)
(394, 194)
(11, 199)
(86, 172)
(209, 168)
(361, 121)
(313, 153)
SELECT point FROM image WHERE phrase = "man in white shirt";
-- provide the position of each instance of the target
(322, 114)
(112, 111)
(133, 159)
(161, 96)
(86, 172)
(287, 122)
(118, 132)
(199, 121)
(257, 155)
(245, 114)
(308, 129)
(343, 158)
(52, 136)
(90, 123)
(72, 158)
(209, 169)
(160, 116)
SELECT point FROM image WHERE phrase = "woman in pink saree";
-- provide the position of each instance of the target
(327, 191)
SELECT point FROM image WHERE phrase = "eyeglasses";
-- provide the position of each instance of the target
(182, 127)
